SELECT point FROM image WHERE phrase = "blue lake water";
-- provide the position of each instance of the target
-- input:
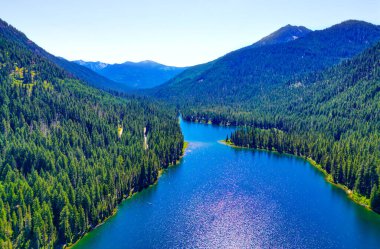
(221, 197)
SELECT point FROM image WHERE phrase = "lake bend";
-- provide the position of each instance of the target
(224, 197)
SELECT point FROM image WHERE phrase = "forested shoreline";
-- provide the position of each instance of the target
(64, 165)
(70, 153)
(340, 135)
(317, 97)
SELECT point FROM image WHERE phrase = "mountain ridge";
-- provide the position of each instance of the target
(249, 69)
(285, 34)
(75, 70)
(330, 118)
(63, 166)
(143, 74)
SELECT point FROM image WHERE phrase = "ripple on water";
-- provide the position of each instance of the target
(220, 197)
(232, 220)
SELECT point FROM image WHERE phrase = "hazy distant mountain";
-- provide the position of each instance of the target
(145, 74)
(94, 66)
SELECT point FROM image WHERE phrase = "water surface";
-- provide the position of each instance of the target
(221, 197)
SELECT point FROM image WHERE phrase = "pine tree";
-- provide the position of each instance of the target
(375, 199)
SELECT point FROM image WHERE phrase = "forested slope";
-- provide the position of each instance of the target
(236, 83)
(75, 70)
(283, 35)
(63, 167)
(316, 96)
(333, 118)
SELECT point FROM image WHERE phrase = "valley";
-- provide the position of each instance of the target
(220, 196)
(83, 145)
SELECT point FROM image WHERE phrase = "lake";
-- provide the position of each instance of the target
(222, 197)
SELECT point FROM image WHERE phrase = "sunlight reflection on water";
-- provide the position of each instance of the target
(231, 219)
(220, 197)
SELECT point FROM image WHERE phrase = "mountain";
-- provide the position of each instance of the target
(69, 152)
(317, 97)
(283, 35)
(74, 69)
(332, 118)
(243, 74)
(94, 66)
(145, 74)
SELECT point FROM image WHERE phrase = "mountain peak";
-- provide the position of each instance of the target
(143, 74)
(353, 24)
(94, 66)
(285, 34)
(145, 62)
(148, 62)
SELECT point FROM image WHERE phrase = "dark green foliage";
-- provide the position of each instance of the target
(63, 168)
(375, 199)
(240, 80)
(331, 117)
(291, 102)
(283, 35)
(88, 76)
(72, 68)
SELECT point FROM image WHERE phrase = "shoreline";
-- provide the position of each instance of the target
(160, 173)
(356, 198)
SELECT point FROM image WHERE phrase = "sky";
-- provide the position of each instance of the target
(172, 32)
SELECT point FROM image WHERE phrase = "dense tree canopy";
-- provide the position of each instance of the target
(63, 167)
(245, 76)
(291, 100)
(75, 70)
(331, 117)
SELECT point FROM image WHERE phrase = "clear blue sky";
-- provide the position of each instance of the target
(173, 32)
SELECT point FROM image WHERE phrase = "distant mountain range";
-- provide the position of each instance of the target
(144, 74)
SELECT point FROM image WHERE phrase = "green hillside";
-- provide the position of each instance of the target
(332, 118)
(305, 97)
(236, 82)
(76, 71)
(63, 166)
